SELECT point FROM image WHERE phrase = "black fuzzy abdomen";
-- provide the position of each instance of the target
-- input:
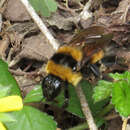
(65, 60)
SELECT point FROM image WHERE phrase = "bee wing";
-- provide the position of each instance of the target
(92, 44)
(91, 41)
(88, 33)
(94, 49)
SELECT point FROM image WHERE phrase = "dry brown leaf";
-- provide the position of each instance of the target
(15, 11)
(61, 21)
(35, 47)
(23, 28)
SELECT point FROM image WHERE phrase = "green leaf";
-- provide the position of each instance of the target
(99, 121)
(74, 103)
(95, 107)
(102, 91)
(4, 91)
(6, 117)
(7, 80)
(51, 4)
(30, 118)
(35, 95)
(45, 7)
(121, 97)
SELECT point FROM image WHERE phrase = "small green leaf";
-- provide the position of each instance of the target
(45, 7)
(121, 97)
(6, 117)
(116, 76)
(7, 80)
(35, 95)
(30, 118)
(95, 107)
(124, 76)
(51, 4)
(102, 91)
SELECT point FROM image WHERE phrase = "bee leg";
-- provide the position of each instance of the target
(95, 70)
(66, 95)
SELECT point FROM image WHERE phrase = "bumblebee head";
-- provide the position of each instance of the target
(51, 86)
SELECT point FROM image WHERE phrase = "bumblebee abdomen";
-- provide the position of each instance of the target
(65, 60)
(72, 51)
(63, 72)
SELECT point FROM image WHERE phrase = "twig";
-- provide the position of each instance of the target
(28, 85)
(111, 117)
(86, 109)
(22, 73)
(83, 126)
(9, 55)
(2, 3)
(85, 14)
(125, 120)
(0, 22)
(40, 24)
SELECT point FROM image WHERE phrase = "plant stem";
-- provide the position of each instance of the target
(40, 24)
(80, 127)
(125, 120)
(85, 108)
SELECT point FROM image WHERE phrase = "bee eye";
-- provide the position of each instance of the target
(74, 68)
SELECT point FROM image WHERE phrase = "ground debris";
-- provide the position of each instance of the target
(16, 11)
(117, 22)
(36, 48)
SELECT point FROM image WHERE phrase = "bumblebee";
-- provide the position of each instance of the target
(67, 64)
